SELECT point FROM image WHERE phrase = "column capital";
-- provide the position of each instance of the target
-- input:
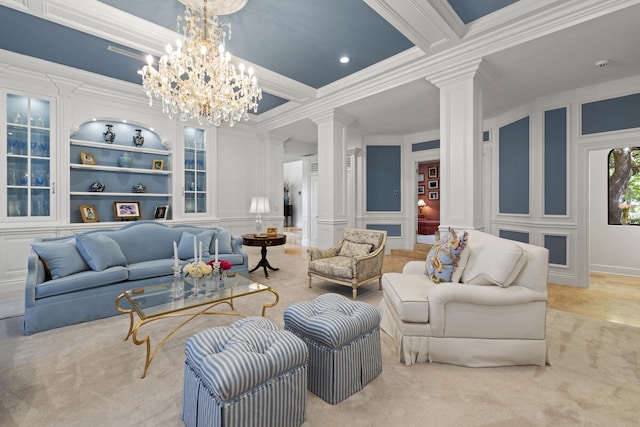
(475, 69)
(332, 116)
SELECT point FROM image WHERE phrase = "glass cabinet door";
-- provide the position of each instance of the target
(28, 154)
(195, 171)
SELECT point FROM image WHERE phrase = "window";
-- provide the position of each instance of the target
(624, 186)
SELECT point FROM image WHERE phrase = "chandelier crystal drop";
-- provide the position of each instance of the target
(196, 79)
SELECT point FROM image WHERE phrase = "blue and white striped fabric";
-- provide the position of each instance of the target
(246, 374)
(343, 338)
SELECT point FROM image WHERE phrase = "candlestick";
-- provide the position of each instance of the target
(216, 250)
(195, 250)
(200, 257)
(175, 255)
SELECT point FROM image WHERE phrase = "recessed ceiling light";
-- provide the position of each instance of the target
(344, 59)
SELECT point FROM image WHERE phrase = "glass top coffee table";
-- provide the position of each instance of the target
(160, 302)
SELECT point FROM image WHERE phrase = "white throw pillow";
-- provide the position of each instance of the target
(493, 261)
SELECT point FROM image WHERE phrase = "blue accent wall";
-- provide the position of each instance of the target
(429, 145)
(611, 114)
(513, 175)
(393, 230)
(518, 236)
(555, 162)
(384, 178)
(557, 246)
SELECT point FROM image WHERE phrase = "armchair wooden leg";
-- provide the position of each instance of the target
(309, 280)
(355, 292)
(380, 283)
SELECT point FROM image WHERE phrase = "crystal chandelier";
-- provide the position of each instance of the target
(197, 78)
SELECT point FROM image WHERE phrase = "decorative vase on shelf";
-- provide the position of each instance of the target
(125, 160)
(139, 188)
(109, 135)
(138, 139)
(97, 187)
(286, 198)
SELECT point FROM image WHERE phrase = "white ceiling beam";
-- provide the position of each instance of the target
(428, 27)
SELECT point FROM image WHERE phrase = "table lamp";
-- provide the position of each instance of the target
(421, 204)
(259, 205)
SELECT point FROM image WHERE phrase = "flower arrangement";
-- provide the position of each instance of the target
(625, 205)
(198, 269)
(224, 264)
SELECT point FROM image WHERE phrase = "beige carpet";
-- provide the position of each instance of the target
(86, 375)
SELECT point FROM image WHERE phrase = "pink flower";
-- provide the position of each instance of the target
(224, 264)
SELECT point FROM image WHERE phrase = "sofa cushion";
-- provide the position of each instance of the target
(100, 251)
(61, 259)
(337, 266)
(147, 269)
(224, 241)
(185, 247)
(408, 295)
(444, 256)
(493, 261)
(351, 249)
(82, 280)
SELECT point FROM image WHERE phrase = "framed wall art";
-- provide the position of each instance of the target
(420, 177)
(157, 165)
(434, 195)
(420, 189)
(87, 158)
(126, 210)
(432, 185)
(89, 213)
(433, 172)
(160, 212)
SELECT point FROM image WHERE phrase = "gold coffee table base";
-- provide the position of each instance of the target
(202, 308)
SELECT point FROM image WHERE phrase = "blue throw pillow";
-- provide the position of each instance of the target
(185, 247)
(224, 242)
(61, 259)
(100, 251)
(443, 257)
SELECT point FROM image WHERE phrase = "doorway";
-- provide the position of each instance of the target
(428, 201)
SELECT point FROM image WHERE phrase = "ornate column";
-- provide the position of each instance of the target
(331, 194)
(461, 178)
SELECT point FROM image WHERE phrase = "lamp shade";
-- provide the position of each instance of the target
(421, 203)
(259, 205)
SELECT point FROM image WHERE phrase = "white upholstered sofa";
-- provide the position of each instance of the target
(495, 316)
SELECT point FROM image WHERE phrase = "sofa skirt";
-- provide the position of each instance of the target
(413, 347)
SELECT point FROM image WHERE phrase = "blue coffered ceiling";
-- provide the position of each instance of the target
(299, 39)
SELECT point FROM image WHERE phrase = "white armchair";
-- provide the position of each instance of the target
(495, 316)
(354, 261)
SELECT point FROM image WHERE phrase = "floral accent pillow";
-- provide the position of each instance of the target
(444, 256)
(355, 249)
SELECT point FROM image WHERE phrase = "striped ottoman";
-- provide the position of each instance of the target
(343, 337)
(246, 374)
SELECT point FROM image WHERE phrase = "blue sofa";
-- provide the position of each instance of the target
(75, 279)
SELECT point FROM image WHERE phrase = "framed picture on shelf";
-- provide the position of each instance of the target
(420, 177)
(126, 210)
(157, 165)
(89, 213)
(432, 184)
(160, 212)
(433, 172)
(434, 195)
(87, 158)
(420, 189)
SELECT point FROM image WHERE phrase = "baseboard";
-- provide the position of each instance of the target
(610, 269)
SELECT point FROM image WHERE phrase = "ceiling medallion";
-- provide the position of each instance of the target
(196, 79)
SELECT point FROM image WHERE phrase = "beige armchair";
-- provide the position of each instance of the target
(354, 261)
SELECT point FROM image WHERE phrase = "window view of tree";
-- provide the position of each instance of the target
(624, 186)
